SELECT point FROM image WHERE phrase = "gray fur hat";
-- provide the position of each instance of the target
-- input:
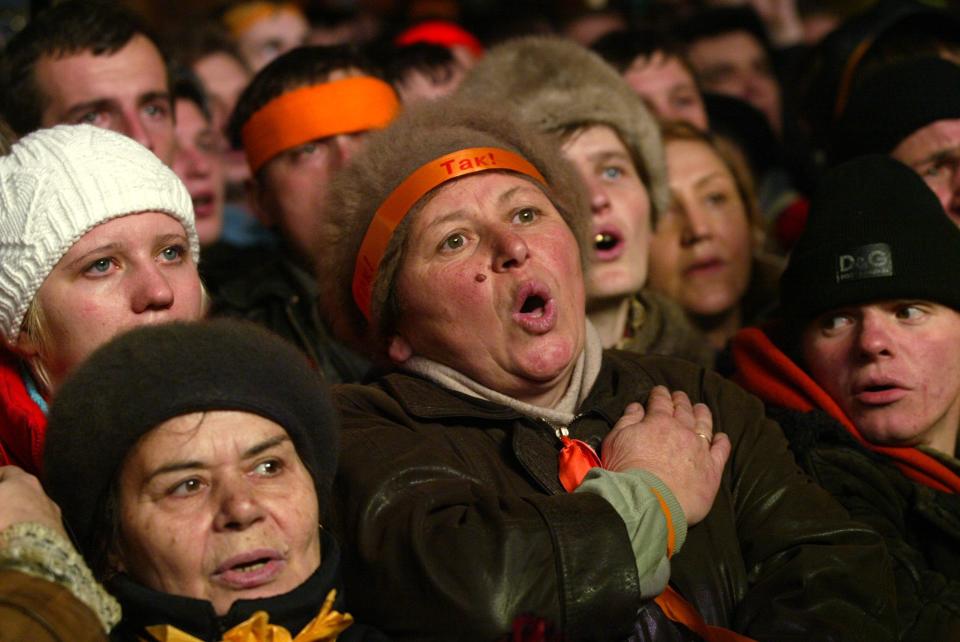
(556, 85)
(421, 134)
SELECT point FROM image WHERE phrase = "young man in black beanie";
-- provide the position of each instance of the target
(911, 111)
(863, 373)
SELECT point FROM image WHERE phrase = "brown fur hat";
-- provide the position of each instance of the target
(419, 135)
(557, 86)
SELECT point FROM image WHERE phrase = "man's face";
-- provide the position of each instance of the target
(667, 88)
(735, 64)
(893, 367)
(125, 91)
(291, 188)
(933, 152)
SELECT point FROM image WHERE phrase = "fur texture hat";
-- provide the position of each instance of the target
(55, 186)
(421, 134)
(154, 373)
(556, 85)
(875, 232)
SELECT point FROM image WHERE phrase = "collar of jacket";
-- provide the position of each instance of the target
(424, 399)
(273, 276)
(23, 425)
(766, 371)
(143, 607)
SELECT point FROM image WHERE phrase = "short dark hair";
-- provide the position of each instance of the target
(621, 48)
(429, 59)
(191, 45)
(65, 29)
(187, 86)
(720, 21)
(299, 67)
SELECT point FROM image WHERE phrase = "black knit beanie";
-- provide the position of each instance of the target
(875, 232)
(152, 374)
(893, 103)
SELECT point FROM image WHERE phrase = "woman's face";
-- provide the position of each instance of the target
(218, 506)
(491, 285)
(701, 250)
(621, 212)
(127, 272)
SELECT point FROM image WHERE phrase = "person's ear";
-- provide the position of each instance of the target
(259, 201)
(399, 349)
(26, 346)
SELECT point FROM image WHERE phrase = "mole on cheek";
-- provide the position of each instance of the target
(480, 278)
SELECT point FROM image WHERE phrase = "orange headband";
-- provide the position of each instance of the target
(396, 206)
(305, 114)
(243, 16)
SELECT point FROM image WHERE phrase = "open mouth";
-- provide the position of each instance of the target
(534, 309)
(202, 203)
(878, 394)
(250, 570)
(607, 244)
(534, 305)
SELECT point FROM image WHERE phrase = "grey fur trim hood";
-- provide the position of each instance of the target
(555, 85)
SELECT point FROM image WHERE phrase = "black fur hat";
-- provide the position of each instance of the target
(152, 374)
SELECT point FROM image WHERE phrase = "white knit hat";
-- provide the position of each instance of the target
(55, 186)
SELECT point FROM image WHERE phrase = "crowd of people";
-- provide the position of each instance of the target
(627, 324)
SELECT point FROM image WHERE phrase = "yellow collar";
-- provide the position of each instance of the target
(325, 627)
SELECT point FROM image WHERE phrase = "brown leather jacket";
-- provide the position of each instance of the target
(455, 522)
(40, 611)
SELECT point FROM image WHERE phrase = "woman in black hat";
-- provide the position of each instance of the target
(194, 464)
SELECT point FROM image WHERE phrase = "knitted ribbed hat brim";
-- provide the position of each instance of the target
(55, 186)
(141, 379)
(875, 232)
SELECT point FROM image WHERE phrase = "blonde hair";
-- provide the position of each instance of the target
(35, 326)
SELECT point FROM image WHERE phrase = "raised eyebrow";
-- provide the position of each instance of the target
(153, 96)
(167, 239)
(99, 104)
(264, 446)
(86, 256)
(602, 156)
(710, 177)
(195, 464)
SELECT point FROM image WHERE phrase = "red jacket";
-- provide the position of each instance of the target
(763, 369)
(23, 425)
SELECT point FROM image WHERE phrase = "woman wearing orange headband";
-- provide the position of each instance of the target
(508, 465)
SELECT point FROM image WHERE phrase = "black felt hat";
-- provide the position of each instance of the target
(152, 374)
(893, 103)
(875, 232)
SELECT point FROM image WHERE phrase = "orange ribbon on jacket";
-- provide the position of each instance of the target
(324, 628)
(575, 460)
(396, 206)
(344, 106)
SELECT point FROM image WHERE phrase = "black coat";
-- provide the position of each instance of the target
(921, 525)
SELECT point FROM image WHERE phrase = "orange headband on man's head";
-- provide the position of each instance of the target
(397, 205)
(243, 16)
(308, 113)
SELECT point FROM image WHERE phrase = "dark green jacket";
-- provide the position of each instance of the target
(455, 522)
(921, 525)
(266, 287)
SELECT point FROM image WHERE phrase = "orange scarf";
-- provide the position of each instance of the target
(764, 370)
(576, 458)
(324, 628)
